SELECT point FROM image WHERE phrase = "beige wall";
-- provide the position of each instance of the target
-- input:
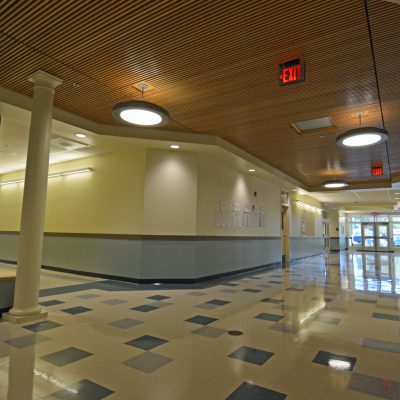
(333, 223)
(155, 192)
(170, 193)
(107, 200)
(217, 182)
(312, 218)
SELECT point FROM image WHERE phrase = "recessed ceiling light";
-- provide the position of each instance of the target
(362, 137)
(80, 135)
(335, 184)
(252, 170)
(174, 146)
(143, 113)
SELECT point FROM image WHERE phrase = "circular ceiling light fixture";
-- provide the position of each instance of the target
(139, 112)
(252, 170)
(80, 135)
(335, 184)
(175, 146)
(362, 137)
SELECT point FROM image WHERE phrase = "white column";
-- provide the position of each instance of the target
(26, 294)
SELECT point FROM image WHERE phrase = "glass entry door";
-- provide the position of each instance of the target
(382, 233)
(368, 236)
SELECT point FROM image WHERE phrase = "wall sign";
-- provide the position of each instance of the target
(377, 170)
(292, 72)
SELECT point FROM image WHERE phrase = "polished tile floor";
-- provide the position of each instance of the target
(324, 328)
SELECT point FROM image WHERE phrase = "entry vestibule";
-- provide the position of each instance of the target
(374, 232)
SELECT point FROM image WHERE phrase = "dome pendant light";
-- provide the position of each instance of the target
(139, 112)
(362, 137)
(335, 184)
(366, 136)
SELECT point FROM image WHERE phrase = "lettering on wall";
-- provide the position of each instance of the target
(248, 216)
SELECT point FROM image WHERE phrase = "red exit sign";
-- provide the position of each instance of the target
(377, 171)
(291, 72)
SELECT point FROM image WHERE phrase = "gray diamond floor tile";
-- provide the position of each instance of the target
(146, 342)
(217, 302)
(269, 317)
(250, 391)
(83, 390)
(273, 301)
(388, 317)
(114, 302)
(252, 290)
(209, 331)
(76, 310)
(88, 296)
(381, 345)
(126, 323)
(27, 340)
(230, 290)
(201, 320)
(42, 326)
(49, 303)
(66, 356)
(158, 297)
(287, 328)
(160, 304)
(251, 355)
(147, 362)
(144, 308)
(382, 388)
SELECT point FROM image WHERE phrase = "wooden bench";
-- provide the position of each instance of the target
(7, 285)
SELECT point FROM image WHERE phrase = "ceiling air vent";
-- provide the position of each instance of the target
(67, 144)
(312, 125)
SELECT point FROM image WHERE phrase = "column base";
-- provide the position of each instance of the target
(21, 319)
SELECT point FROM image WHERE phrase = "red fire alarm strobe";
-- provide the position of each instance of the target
(292, 72)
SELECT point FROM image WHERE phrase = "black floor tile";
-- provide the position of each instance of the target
(273, 301)
(249, 391)
(251, 355)
(158, 297)
(76, 310)
(145, 308)
(336, 361)
(51, 303)
(270, 317)
(66, 356)
(83, 390)
(146, 342)
(201, 320)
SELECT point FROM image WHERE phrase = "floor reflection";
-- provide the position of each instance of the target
(324, 328)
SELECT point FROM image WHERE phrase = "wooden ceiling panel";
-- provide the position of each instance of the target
(214, 66)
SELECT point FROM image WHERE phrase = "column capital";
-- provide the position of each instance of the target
(42, 78)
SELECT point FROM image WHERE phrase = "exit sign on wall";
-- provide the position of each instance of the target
(292, 72)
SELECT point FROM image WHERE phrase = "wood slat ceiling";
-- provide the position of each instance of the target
(214, 66)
